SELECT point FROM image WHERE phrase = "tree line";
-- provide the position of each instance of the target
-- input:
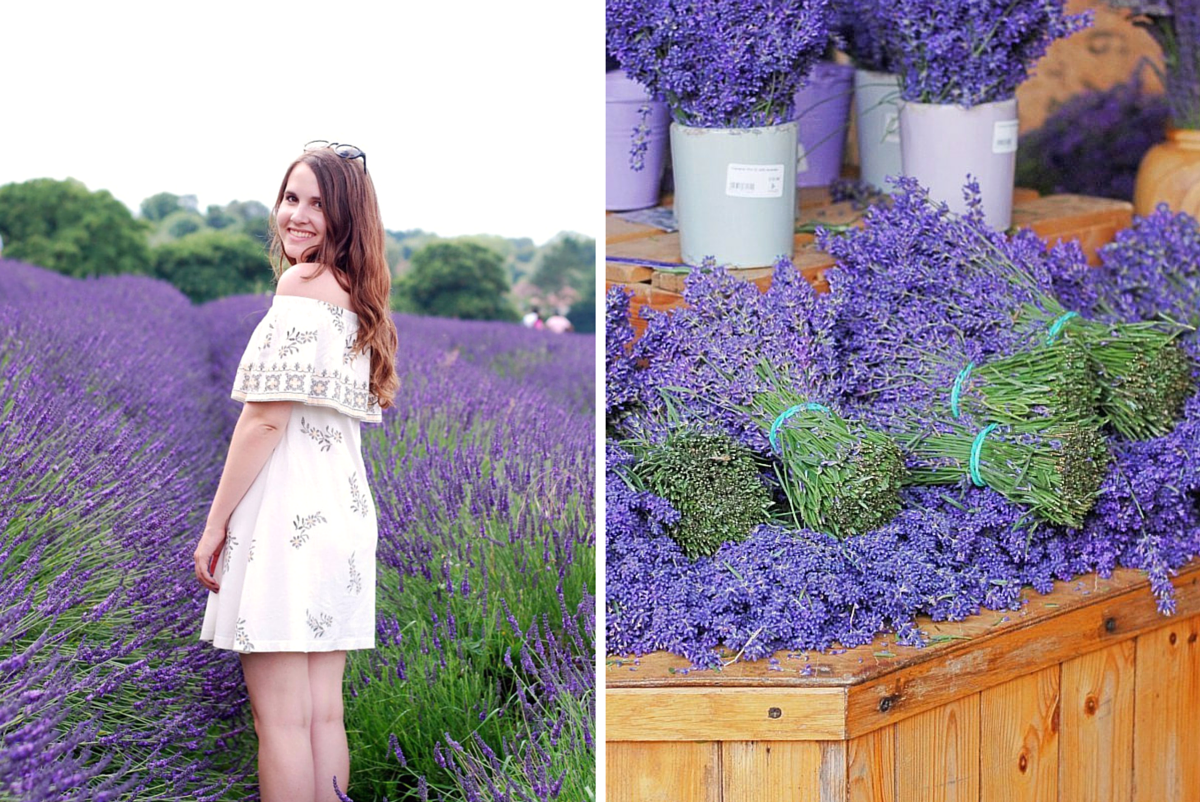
(62, 226)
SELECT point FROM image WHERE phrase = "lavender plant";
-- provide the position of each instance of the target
(112, 416)
(967, 52)
(1175, 25)
(719, 63)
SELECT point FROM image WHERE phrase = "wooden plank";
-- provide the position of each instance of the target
(620, 273)
(1009, 653)
(937, 754)
(787, 771)
(1166, 732)
(872, 766)
(744, 714)
(833, 780)
(1018, 742)
(1059, 215)
(663, 772)
(1097, 726)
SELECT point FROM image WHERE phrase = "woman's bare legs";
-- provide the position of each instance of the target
(280, 699)
(331, 756)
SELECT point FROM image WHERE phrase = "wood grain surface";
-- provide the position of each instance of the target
(1097, 725)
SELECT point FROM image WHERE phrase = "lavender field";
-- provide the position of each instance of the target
(114, 418)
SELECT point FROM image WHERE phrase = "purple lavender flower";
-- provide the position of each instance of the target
(719, 63)
(1175, 25)
(968, 52)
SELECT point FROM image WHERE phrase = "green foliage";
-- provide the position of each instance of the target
(158, 207)
(582, 313)
(217, 217)
(211, 264)
(62, 226)
(713, 481)
(569, 261)
(455, 279)
(181, 223)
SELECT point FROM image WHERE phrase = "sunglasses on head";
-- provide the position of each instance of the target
(345, 151)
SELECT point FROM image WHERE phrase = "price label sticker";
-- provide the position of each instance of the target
(754, 180)
(1004, 136)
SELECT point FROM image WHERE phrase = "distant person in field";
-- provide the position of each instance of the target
(288, 553)
(558, 324)
(532, 318)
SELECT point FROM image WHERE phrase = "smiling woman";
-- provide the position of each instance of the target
(288, 553)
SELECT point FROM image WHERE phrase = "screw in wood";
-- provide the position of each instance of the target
(1110, 625)
(774, 712)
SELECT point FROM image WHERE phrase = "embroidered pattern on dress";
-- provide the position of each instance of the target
(230, 542)
(348, 355)
(358, 499)
(325, 439)
(337, 312)
(319, 624)
(240, 638)
(355, 585)
(250, 551)
(303, 525)
(295, 339)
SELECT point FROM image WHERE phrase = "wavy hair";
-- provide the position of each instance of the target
(353, 247)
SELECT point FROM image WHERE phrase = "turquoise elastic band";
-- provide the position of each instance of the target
(976, 447)
(787, 413)
(962, 377)
(1058, 324)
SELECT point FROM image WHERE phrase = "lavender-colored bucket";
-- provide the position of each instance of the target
(823, 114)
(626, 188)
(942, 144)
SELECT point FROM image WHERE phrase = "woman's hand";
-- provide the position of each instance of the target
(208, 551)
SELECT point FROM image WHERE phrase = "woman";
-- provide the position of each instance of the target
(288, 552)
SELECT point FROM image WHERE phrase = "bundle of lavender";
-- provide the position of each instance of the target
(840, 477)
(1144, 375)
(1052, 467)
(1054, 381)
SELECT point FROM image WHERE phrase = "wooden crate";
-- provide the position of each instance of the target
(1088, 694)
(655, 283)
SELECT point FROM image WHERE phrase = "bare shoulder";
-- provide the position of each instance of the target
(298, 280)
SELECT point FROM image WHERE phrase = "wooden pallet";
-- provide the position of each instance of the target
(1091, 221)
(1088, 694)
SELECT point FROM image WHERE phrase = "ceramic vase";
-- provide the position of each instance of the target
(1170, 173)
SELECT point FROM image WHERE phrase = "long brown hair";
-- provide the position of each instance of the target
(353, 248)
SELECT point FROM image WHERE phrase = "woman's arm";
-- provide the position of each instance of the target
(258, 431)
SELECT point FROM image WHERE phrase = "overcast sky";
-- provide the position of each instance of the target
(476, 117)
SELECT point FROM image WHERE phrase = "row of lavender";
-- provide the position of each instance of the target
(914, 277)
(114, 414)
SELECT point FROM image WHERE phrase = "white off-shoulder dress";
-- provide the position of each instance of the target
(297, 572)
